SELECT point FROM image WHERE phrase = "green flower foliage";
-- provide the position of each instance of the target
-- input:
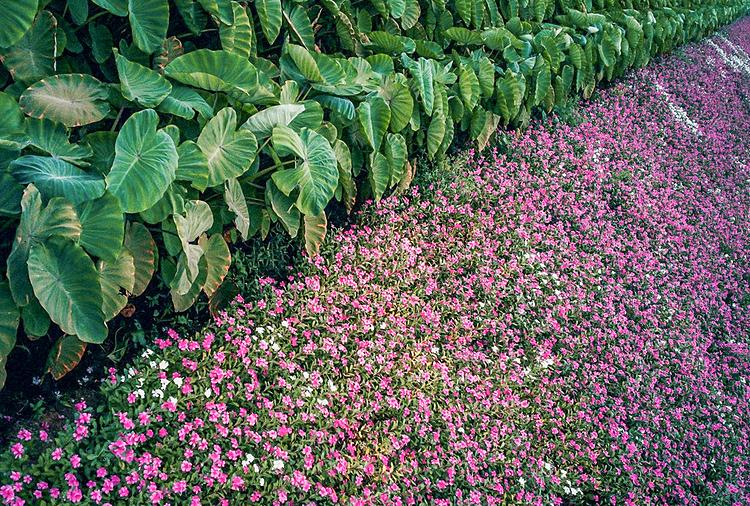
(137, 137)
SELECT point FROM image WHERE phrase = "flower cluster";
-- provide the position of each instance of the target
(564, 320)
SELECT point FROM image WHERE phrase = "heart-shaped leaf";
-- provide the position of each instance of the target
(283, 207)
(65, 355)
(237, 37)
(33, 57)
(9, 318)
(263, 122)
(230, 153)
(145, 163)
(52, 137)
(269, 15)
(114, 277)
(141, 245)
(102, 227)
(315, 233)
(214, 71)
(149, 20)
(315, 173)
(55, 177)
(218, 259)
(71, 99)
(374, 118)
(141, 84)
(65, 281)
(184, 102)
(15, 17)
(235, 200)
(192, 165)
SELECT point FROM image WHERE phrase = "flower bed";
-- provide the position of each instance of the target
(566, 322)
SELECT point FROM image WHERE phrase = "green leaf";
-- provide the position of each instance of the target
(197, 219)
(262, 123)
(15, 17)
(464, 7)
(315, 233)
(400, 102)
(379, 176)
(184, 102)
(116, 7)
(422, 74)
(230, 153)
(464, 36)
(341, 105)
(181, 302)
(10, 195)
(65, 355)
(305, 62)
(33, 56)
(300, 26)
(71, 99)
(36, 322)
(435, 133)
(102, 144)
(222, 9)
(141, 84)
(490, 127)
(238, 36)
(214, 71)
(65, 280)
(57, 178)
(469, 85)
(374, 118)
(542, 82)
(315, 173)
(397, 8)
(115, 276)
(269, 15)
(192, 165)
(79, 10)
(145, 163)
(218, 259)
(102, 226)
(235, 200)
(52, 137)
(346, 181)
(141, 245)
(12, 127)
(37, 224)
(9, 318)
(149, 20)
(395, 153)
(283, 207)
(411, 15)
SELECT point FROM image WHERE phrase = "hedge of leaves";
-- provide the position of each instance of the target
(140, 136)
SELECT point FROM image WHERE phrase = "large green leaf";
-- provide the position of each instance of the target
(9, 318)
(469, 85)
(269, 15)
(145, 163)
(237, 37)
(235, 200)
(315, 233)
(400, 102)
(215, 71)
(396, 153)
(141, 84)
(192, 165)
(263, 122)
(435, 133)
(102, 227)
(300, 26)
(374, 118)
(315, 173)
(33, 57)
(10, 195)
(149, 20)
(141, 245)
(52, 137)
(283, 207)
(218, 259)
(222, 9)
(65, 281)
(116, 7)
(16, 16)
(36, 322)
(230, 153)
(115, 277)
(422, 74)
(379, 175)
(37, 224)
(55, 177)
(184, 102)
(64, 356)
(12, 129)
(181, 302)
(71, 99)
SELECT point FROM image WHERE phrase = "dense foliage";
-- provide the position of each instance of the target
(563, 321)
(139, 136)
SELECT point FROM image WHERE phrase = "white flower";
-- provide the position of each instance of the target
(260, 330)
(178, 382)
(276, 347)
(332, 386)
(163, 364)
(140, 393)
(278, 465)
(172, 400)
(208, 392)
(322, 402)
(285, 324)
(164, 382)
(261, 482)
(158, 394)
(306, 375)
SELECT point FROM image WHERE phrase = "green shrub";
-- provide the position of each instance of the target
(140, 136)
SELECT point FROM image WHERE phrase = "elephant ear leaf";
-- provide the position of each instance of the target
(71, 99)
(222, 9)
(55, 177)
(269, 15)
(229, 152)
(214, 71)
(65, 356)
(102, 227)
(315, 173)
(315, 233)
(33, 57)
(9, 319)
(374, 118)
(114, 278)
(52, 137)
(141, 84)
(15, 18)
(235, 200)
(62, 276)
(141, 245)
(218, 259)
(145, 163)
(149, 20)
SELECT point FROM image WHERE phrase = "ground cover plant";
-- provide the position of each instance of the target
(139, 137)
(561, 320)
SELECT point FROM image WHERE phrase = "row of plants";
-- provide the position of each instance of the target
(138, 138)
